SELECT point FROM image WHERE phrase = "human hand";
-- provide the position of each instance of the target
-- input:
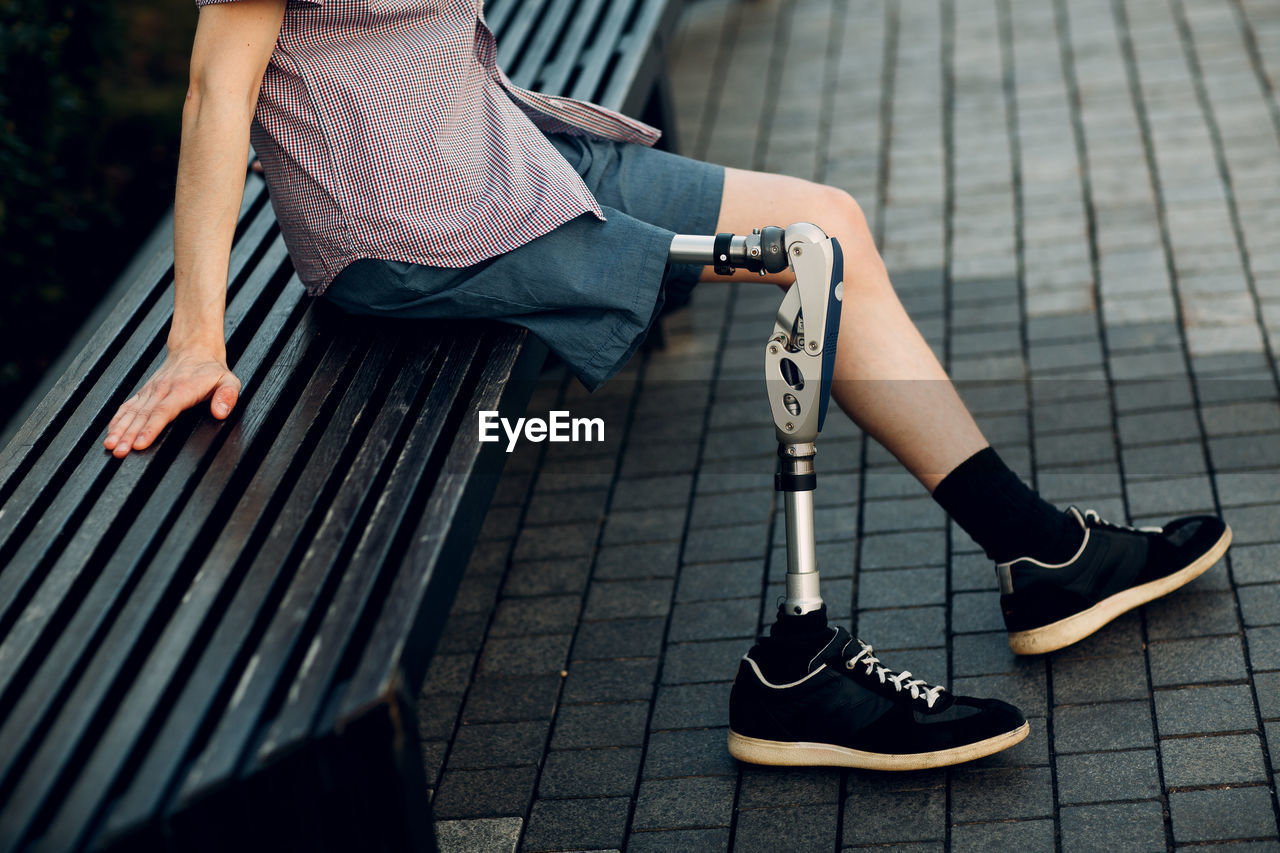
(186, 378)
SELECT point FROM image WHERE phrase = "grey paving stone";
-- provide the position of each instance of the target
(515, 656)
(1024, 688)
(765, 787)
(497, 835)
(619, 638)
(1199, 661)
(1238, 418)
(1079, 681)
(628, 599)
(590, 773)
(1260, 605)
(1264, 647)
(1174, 497)
(600, 725)
(1146, 395)
(977, 611)
(1254, 524)
(645, 492)
(1115, 826)
(690, 706)
(1072, 416)
(511, 700)
(904, 550)
(489, 745)
(1221, 814)
(709, 581)
(1094, 777)
(880, 816)
(717, 544)
(986, 654)
(648, 560)
(1162, 427)
(903, 628)
(1242, 452)
(691, 663)
(805, 828)
(970, 573)
(663, 841)
(547, 577)
(1191, 710)
(504, 792)
(1164, 460)
(448, 674)
(684, 803)
(577, 824)
(902, 588)
(516, 617)
(714, 620)
(1078, 448)
(896, 514)
(1010, 835)
(1268, 686)
(438, 714)
(652, 524)
(1001, 794)
(610, 681)
(1242, 488)
(1190, 612)
(689, 752)
(1215, 760)
(1092, 728)
(731, 509)
(553, 507)
(556, 541)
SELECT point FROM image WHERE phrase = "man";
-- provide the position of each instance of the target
(412, 179)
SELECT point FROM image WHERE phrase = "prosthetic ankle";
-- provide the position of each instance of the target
(798, 366)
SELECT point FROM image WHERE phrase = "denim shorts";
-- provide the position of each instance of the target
(589, 289)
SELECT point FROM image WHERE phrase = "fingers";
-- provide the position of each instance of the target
(225, 396)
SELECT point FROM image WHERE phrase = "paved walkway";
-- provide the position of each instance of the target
(1080, 203)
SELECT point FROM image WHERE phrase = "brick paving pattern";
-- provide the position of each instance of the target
(1080, 206)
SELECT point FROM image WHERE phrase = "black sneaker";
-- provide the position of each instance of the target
(848, 710)
(1116, 569)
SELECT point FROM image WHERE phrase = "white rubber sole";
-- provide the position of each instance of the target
(1064, 632)
(800, 754)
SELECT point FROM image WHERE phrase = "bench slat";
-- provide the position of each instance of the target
(123, 576)
(543, 41)
(76, 436)
(597, 56)
(82, 372)
(555, 77)
(510, 46)
(413, 613)
(311, 587)
(229, 654)
(103, 504)
(355, 596)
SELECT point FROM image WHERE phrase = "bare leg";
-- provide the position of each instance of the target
(887, 378)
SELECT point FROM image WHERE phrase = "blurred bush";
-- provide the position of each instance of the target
(90, 101)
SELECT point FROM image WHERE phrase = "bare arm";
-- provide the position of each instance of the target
(232, 46)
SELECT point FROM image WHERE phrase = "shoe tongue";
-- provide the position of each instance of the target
(833, 653)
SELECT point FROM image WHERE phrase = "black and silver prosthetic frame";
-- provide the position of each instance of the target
(799, 363)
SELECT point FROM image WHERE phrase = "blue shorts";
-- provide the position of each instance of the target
(589, 289)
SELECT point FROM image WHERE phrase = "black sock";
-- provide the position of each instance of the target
(1003, 514)
(793, 642)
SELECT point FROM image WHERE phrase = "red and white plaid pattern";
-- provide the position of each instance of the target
(386, 130)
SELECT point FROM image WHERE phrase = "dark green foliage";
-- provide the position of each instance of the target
(90, 100)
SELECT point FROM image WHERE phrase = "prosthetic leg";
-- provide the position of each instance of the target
(798, 366)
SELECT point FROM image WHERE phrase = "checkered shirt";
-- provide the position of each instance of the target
(386, 130)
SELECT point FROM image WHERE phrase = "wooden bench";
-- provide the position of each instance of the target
(217, 643)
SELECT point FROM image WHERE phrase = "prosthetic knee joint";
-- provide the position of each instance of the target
(798, 365)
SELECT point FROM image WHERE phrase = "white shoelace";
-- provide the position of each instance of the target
(918, 688)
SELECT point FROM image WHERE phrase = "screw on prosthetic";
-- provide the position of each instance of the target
(798, 366)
